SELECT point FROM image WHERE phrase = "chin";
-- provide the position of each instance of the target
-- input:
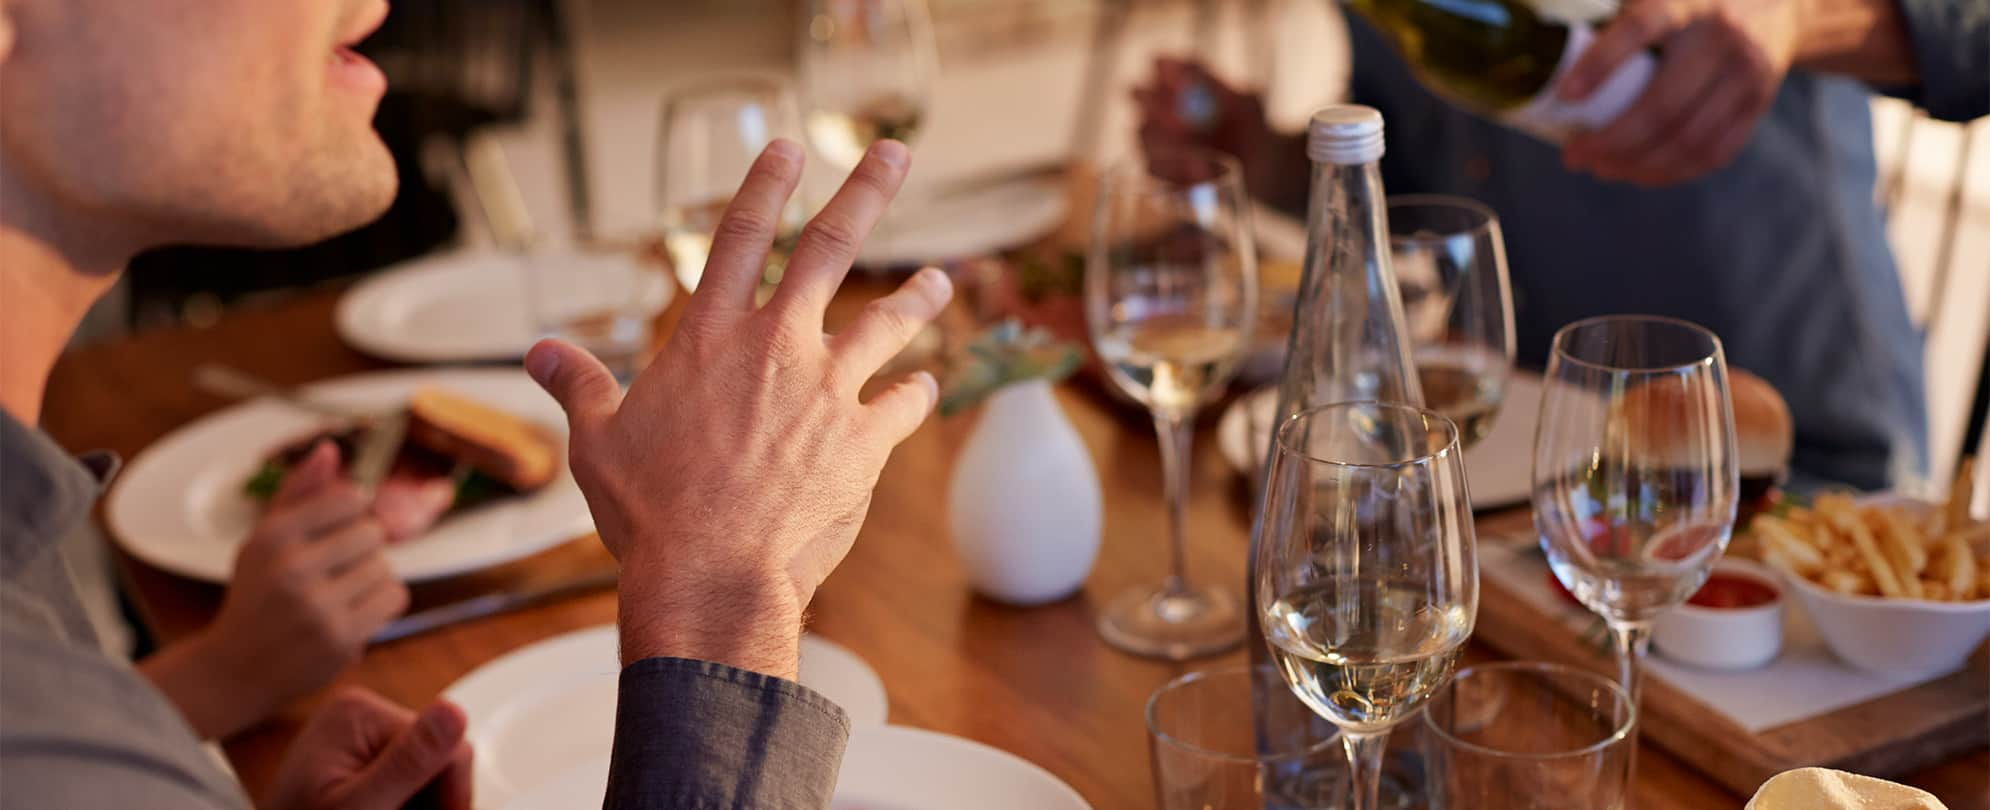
(330, 199)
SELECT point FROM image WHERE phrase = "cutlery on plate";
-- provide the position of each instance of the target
(491, 605)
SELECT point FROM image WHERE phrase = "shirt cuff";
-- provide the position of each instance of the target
(697, 734)
(1951, 43)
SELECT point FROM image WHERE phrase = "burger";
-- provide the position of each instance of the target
(1664, 424)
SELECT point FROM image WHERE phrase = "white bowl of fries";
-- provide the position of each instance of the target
(1893, 585)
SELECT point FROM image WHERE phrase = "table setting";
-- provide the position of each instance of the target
(1222, 508)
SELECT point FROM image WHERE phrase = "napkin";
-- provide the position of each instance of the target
(1826, 789)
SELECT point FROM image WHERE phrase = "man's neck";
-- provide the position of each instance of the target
(49, 277)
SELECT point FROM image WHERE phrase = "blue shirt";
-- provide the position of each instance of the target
(80, 729)
(1782, 253)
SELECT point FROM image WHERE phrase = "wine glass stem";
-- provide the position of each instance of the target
(1633, 640)
(1177, 441)
(1364, 762)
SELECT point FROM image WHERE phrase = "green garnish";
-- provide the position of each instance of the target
(264, 484)
(1003, 355)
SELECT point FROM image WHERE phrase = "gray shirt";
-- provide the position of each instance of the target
(1782, 253)
(80, 728)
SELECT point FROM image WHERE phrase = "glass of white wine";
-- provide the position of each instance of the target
(1635, 474)
(867, 69)
(1171, 294)
(1450, 260)
(709, 135)
(1368, 582)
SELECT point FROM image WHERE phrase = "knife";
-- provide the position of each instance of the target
(378, 446)
(491, 605)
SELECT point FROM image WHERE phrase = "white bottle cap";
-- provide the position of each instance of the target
(1345, 135)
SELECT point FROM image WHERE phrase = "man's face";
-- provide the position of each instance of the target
(244, 122)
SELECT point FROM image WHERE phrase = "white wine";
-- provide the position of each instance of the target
(1465, 384)
(687, 240)
(1171, 364)
(1503, 57)
(842, 135)
(1363, 653)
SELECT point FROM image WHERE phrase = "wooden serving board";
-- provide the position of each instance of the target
(1885, 737)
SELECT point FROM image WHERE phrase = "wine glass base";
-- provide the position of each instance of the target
(1150, 621)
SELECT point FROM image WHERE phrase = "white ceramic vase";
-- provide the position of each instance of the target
(1024, 505)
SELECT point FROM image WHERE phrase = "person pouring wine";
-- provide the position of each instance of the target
(1710, 160)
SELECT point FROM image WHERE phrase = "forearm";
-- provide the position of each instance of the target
(1863, 39)
(749, 622)
(195, 676)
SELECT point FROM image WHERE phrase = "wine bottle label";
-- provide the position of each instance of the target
(1552, 119)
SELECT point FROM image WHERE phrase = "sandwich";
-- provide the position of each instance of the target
(457, 453)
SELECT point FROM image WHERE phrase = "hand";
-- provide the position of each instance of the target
(360, 752)
(734, 476)
(1721, 64)
(1186, 106)
(311, 585)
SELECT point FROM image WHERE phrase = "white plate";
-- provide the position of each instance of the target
(462, 307)
(543, 716)
(1498, 470)
(884, 768)
(180, 505)
(454, 308)
(966, 223)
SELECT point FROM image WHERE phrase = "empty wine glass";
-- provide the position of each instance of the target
(1450, 260)
(867, 69)
(1171, 295)
(710, 134)
(1635, 474)
(1367, 577)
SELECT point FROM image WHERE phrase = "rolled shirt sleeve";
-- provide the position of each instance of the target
(691, 735)
(1951, 42)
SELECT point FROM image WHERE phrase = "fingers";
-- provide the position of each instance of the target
(900, 409)
(1638, 25)
(741, 241)
(334, 553)
(1643, 139)
(383, 602)
(452, 789)
(319, 467)
(889, 324)
(577, 380)
(829, 244)
(328, 507)
(412, 759)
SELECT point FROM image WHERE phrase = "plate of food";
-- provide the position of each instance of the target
(478, 477)
(1893, 584)
(542, 717)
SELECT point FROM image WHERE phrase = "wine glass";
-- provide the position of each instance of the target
(710, 134)
(1171, 294)
(1635, 475)
(1368, 584)
(1450, 260)
(867, 69)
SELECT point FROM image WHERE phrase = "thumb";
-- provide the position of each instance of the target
(319, 467)
(1638, 25)
(577, 380)
(413, 759)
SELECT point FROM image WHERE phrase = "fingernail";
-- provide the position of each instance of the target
(785, 149)
(542, 362)
(927, 381)
(891, 152)
(936, 280)
(443, 720)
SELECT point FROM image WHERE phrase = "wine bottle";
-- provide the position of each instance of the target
(1348, 342)
(1503, 58)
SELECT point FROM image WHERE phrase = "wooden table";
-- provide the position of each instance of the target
(1038, 682)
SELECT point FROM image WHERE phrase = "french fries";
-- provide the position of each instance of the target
(1899, 550)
